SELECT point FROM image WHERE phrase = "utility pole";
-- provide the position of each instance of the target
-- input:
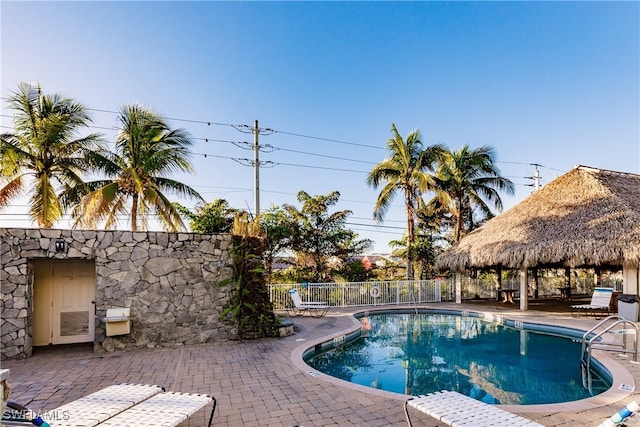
(535, 177)
(256, 163)
(256, 169)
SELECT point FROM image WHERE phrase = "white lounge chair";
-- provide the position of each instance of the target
(315, 308)
(600, 303)
(455, 409)
(132, 405)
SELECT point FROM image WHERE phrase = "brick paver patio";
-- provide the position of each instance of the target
(260, 382)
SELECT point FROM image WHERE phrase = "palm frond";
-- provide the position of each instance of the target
(166, 211)
(11, 190)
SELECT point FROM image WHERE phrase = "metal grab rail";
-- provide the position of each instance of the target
(588, 345)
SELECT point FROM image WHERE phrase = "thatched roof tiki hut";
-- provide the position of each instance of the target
(586, 218)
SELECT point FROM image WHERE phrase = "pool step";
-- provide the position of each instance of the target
(591, 381)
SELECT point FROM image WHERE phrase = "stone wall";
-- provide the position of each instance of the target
(169, 280)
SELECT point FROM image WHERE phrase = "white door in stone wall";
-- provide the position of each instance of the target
(73, 302)
(70, 291)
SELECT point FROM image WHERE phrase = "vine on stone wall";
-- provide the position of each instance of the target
(249, 305)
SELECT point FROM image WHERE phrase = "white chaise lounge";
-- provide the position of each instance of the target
(315, 309)
(600, 303)
(455, 409)
(126, 405)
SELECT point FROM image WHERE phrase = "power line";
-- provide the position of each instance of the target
(202, 122)
(248, 129)
(205, 155)
(373, 225)
(512, 163)
(256, 163)
(123, 217)
(376, 231)
(386, 220)
(325, 156)
(243, 128)
(318, 138)
(229, 141)
(321, 167)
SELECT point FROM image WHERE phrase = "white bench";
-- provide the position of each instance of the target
(455, 409)
(127, 404)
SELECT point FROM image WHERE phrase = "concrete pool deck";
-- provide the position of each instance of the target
(265, 383)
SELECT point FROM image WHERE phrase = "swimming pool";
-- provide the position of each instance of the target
(489, 359)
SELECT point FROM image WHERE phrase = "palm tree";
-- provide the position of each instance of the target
(319, 236)
(406, 171)
(146, 150)
(466, 181)
(213, 217)
(44, 153)
(427, 245)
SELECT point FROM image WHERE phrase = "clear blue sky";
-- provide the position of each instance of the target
(552, 83)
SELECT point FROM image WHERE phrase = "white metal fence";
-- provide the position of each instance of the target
(354, 294)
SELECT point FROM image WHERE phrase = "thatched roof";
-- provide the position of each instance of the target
(586, 217)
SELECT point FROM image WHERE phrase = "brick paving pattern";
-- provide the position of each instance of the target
(257, 382)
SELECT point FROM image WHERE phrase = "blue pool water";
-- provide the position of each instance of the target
(421, 353)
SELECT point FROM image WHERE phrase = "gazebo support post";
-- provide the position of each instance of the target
(524, 294)
(499, 283)
(458, 287)
(630, 279)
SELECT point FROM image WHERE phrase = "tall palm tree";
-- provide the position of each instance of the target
(468, 181)
(146, 150)
(407, 171)
(44, 154)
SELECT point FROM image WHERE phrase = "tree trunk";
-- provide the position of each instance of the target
(410, 236)
(457, 233)
(134, 213)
